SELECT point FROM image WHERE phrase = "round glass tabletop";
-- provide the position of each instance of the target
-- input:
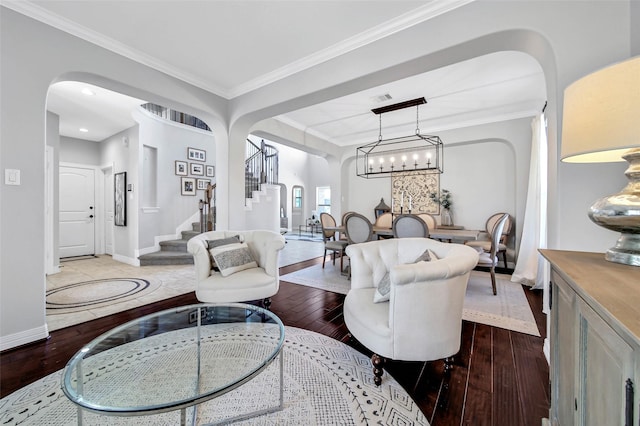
(173, 359)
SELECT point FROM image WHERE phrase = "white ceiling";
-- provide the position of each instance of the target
(233, 47)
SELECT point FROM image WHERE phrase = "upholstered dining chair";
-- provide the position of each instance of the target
(358, 228)
(336, 246)
(409, 225)
(385, 220)
(490, 259)
(343, 235)
(429, 220)
(502, 245)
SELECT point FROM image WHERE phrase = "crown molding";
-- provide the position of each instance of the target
(404, 21)
(41, 14)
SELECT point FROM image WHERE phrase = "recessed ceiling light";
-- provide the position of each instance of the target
(88, 91)
(83, 130)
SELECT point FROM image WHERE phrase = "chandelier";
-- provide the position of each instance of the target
(416, 152)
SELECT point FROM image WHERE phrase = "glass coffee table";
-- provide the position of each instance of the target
(176, 359)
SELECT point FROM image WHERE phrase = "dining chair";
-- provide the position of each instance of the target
(490, 259)
(385, 220)
(329, 238)
(358, 229)
(502, 244)
(409, 225)
(343, 234)
(429, 219)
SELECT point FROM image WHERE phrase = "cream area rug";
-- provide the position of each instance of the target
(97, 293)
(509, 309)
(325, 383)
(98, 287)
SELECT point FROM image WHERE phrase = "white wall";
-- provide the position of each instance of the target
(171, 140)
(80, 151)
(123, 157)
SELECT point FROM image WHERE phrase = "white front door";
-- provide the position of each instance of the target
(77, 211)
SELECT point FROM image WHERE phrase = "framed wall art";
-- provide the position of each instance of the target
(210, 171)
(410, 190)
(196, 154)
(181, 168)
(120, 199)
(202, 183)
(187, 186)
(197, 169)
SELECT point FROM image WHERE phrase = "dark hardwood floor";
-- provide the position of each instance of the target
(500, 377)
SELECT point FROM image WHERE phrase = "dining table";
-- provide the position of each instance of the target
(442, 234)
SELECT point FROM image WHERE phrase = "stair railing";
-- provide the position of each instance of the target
(261, 166)
(176, 116)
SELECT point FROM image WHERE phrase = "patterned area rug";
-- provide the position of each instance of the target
(97, 293)
(509, 309)
(325, 383)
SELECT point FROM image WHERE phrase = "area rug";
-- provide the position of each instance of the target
(296, 251)
(97, 293)
(509, 309)
(325, 383)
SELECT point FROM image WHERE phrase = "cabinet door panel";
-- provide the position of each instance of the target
(606, 362)
(564, 356)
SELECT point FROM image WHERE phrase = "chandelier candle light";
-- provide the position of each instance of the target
(415, 152)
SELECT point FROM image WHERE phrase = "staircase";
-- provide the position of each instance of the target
(172, 252)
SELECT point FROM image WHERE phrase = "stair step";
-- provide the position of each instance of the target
(174, 246)
(166, 258)
(187, 235)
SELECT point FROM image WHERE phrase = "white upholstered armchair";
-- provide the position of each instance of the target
(252, 281)
(422, 319)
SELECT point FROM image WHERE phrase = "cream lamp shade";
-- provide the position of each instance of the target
(602, 114)
(601, 123)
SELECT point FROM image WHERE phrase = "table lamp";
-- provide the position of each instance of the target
(601, 123)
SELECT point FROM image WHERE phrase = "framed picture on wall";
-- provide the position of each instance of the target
(181, 168)
(120, 198)
(202, 183)
(197, 169)
(211, 171)
(187, 186)
(196, 154)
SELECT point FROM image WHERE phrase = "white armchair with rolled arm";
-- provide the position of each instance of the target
(255, 274)
(422, 318)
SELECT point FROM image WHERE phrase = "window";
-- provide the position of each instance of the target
(323, 199)
(297, 197)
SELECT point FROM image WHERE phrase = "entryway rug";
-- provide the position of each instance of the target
(509, 309)
(325, 383)
(97, 293)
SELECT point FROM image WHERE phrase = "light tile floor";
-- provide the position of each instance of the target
(175, 279)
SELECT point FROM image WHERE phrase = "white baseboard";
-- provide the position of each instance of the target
(23, 337)
(125, 259)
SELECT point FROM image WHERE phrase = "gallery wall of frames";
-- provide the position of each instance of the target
(195, 174)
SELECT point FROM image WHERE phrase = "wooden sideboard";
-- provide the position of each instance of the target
(595, 340)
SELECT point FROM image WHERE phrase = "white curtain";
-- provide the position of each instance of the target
(529, 268)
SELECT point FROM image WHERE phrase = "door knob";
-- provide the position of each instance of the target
(90, 216)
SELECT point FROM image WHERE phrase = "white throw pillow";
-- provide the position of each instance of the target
(384, 286)
(383, 290)
(232, 258)
(217, 243)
